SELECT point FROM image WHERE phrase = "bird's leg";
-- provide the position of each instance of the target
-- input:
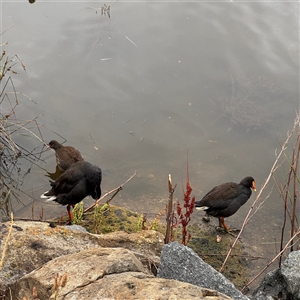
(222, 224)
(69, 212)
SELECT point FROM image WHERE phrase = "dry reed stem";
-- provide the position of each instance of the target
(294, 167)
(286, 195)
(7, 239)
(157, 218)
(274, 259)
(169, 217)
(7, 30)
(273, 169)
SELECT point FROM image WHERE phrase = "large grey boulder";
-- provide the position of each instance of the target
(283, 283)
(182, 263)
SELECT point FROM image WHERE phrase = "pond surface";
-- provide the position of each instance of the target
(155, 81)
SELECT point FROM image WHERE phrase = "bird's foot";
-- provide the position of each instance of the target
(206, 219)
(220, 228)
(68, 223)
(234, 232)
(231, 231)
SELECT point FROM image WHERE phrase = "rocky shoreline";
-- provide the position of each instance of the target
(67, 262)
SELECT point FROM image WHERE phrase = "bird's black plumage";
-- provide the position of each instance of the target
(224, 200)
(78, 181)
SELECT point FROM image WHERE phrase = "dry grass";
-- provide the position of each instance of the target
(13, 132)
(4, 251)
(6, 240)
(59, 282)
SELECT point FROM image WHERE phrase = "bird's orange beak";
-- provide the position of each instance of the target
(253, 186)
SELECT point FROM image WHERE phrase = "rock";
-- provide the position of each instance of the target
(32, 244)
(92, 266)
(182, 263)
(105, 273)
(282, 283)
(290, 271)
(77, 227)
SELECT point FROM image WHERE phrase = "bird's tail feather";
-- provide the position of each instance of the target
(202, 208)
(49, 198)
(44, 196)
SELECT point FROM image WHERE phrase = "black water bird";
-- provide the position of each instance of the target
(225, 200)
(78, 181)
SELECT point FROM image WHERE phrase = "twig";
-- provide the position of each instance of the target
(131, 40)
(156, 220)
(7, 29)
(7, 239)
(285, 194)
(116, 190)
(279, 254)
(24, 128)
(115, 194)
(169, 211)
(294, 167)
(235, 255)
(274, 167)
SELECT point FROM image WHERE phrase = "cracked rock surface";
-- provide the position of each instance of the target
(105, 273)
(112, 266)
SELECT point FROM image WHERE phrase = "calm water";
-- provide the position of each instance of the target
(138, 90)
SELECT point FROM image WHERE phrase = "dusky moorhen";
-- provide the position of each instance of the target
(65, 155)
(80, 180)
(224, 200)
